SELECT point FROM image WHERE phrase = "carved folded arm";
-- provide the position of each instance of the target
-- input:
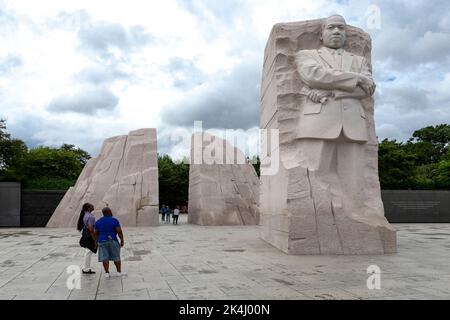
(367, 87)
(357, 93)
(316, 76)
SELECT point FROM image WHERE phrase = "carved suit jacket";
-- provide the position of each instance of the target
(336, 73)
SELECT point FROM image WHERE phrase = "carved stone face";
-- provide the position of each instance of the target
(334, 32)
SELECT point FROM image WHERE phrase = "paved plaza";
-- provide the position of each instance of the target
(197, 262)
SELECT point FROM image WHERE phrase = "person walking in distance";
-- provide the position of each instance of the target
(168, 214)
(163, 213)
(176, 213)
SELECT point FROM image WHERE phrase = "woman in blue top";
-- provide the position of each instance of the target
(106, 231)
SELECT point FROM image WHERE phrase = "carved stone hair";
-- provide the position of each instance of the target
(334, 15)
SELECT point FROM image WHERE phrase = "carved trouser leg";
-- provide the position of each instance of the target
(336, 178)
(338, 166)
(319, 158)
(350, 162)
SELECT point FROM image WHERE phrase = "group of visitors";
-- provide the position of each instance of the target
(100, 235)
(166, 212)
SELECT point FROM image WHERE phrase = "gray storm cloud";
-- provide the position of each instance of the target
(100, 74)
(9, 62)
(411, 61)
(223, 101)
(185, 73)
(101, 37)
(85, 101)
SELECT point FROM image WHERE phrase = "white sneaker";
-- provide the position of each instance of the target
(121, 274)
(107, 275)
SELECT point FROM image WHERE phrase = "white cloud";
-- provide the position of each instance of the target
(172, 62)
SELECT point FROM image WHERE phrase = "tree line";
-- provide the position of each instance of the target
(41, 168)
(421, 163)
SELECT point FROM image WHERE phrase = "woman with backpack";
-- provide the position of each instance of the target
(85, 225)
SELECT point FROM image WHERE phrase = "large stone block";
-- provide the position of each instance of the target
(124, 177)
(221, 192)
(325, 196)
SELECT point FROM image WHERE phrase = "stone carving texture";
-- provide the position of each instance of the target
(219, 193)
(124, 176)
(302, 211)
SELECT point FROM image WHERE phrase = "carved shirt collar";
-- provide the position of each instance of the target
(333, 51)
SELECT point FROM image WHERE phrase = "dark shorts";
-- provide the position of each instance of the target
(109, 251)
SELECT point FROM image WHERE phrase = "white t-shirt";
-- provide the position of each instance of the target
(176, 212)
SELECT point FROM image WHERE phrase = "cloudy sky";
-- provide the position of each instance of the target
(81, 71)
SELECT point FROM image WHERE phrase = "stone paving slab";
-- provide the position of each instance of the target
(224, 263)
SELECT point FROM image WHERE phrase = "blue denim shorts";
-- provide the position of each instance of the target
(108, 251)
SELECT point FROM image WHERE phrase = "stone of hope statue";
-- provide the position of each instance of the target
(317, 91)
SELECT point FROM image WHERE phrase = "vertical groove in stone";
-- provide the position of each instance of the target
(121, 159)
(315, 210)
(337, 227)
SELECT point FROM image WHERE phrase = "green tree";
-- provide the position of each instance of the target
(13, 154)
(3, 133)
(442, 175)
(395, 165)
(423, 177)
(173, 181)
(429, 144)
(51, 162)
(80, 154)
(256, 162)
(11, 151)
(49, 168)
(420, 163)
(4, 138)
(42, 167)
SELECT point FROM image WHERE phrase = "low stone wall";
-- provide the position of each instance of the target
(419, 206)
(9, 204)
(37, 206)
(33, 208)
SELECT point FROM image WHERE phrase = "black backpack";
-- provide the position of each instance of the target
(86, 240)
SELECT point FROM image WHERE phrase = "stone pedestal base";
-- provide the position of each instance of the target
(290, 235)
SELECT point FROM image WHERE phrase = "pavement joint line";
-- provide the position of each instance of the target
(59, 275)
(98, 284)
(417, 271)
(70, 294)
(29, 267)
(180, 273)
(170, 287)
